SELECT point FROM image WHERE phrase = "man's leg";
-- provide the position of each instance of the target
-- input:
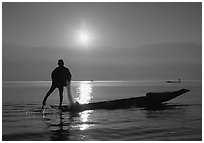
(52, 88)
(61, 95)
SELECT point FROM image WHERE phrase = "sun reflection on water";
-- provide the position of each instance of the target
(85, 118)
(85, 95)
(85, 92)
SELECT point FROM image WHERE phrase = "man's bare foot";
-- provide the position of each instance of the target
(76, 104)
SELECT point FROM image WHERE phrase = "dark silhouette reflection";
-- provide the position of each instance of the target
(60, 131)
(60, 134)
(165, 110)
(164, 106)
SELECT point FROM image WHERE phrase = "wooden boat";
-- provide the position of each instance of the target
(151, 99)
(174, 81)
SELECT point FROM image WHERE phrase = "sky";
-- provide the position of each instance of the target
(102, 41)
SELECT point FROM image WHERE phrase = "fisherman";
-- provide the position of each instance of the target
(61, 77)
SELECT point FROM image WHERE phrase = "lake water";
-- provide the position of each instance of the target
(180, 121)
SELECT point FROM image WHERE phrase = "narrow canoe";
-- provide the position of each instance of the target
(151, 99)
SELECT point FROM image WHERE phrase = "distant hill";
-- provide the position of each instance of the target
(158, 61)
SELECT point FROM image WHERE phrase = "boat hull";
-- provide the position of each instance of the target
(151, 99)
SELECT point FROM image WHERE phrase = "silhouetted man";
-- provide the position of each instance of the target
(61, 77)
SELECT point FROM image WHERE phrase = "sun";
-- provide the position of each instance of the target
(84, 37)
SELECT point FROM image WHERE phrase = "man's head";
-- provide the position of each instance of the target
(60, 62)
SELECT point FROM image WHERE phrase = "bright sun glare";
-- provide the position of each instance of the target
(84, 37)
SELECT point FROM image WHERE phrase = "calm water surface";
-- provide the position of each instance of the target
(181, 119)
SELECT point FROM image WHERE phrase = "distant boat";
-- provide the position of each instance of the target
(174, 81)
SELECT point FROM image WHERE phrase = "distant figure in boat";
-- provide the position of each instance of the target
(171, 81)
(61, 77)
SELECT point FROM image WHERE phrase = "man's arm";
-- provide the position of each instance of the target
(54, 74)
